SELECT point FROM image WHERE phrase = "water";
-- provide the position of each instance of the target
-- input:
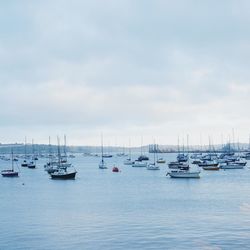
(133, 209)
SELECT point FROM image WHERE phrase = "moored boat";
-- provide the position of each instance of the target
(231, 165)
(161, 160)
(209, 165)
(153, 166)
(63, 174)
(115, 169)
(184, 172)
(138, 164)
(10, 172)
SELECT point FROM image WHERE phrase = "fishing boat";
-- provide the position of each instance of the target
(102, 164)
(10, 172)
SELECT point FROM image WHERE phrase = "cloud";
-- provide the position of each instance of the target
(158, 68)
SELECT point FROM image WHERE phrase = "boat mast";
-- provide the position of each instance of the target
(33, 151)
(129, 149)
(154, 151)
(50, 152)
(59, 153)
(25, 148)
(12, 159)
(178, 145)
(65, 153)
(102, 145)
(141, 144)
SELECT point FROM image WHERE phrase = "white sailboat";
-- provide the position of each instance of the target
(32, 163)
(153, 166)
(102, 164)
(129, 160)
(184, 171)
(25, 163)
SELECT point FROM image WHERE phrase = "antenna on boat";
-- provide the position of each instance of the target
(58, 149)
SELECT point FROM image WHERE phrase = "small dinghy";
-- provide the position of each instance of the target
(115, 169)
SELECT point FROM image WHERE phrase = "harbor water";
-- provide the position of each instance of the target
(133, 209)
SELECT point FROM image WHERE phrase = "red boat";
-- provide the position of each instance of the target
(115, 169)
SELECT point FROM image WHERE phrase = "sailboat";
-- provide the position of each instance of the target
(184, 171)
(142, 157)
(25, 163)
(159, 160)
(10, 172)
(153, 166)
(32, 163)
(63, 172)
(128, 161)
(102, 164)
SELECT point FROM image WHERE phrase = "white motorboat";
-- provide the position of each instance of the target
(176, 165)
(128, 162)
(139, 164)
(231, 165)
(184, 172)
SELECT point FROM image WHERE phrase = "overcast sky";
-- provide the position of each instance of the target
(127, 68)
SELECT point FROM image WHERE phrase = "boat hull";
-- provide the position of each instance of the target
(32, 166)
(212, 168)
(65, 176)
(232, 167)
(184, 174)
(139, 165)
(9, 174)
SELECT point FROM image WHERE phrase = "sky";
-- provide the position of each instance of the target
(155, 69)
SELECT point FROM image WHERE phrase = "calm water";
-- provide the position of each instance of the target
(134, 209)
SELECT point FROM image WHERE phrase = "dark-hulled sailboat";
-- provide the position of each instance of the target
(63, 172)
(10, 172)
